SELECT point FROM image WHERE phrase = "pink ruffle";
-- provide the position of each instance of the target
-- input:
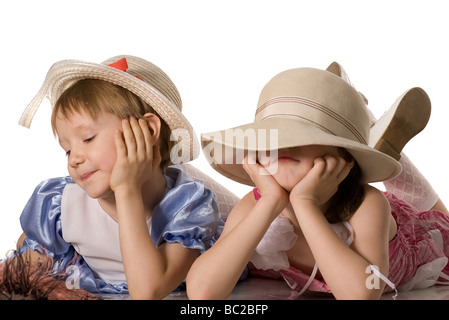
(413, 245)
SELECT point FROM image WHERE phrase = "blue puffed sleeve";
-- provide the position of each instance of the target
(188, 214)
(41, 219)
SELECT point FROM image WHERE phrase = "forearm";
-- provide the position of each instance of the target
(144, 266)
(343, 269)
(230, 255)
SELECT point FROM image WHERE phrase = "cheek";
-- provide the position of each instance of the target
(106, 155)
(111, 156)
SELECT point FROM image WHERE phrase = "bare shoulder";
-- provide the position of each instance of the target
(374, 214)
(374, 202)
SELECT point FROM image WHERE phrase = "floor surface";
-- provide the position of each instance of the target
(268, 289)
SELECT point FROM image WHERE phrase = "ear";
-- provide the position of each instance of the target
(154, 123)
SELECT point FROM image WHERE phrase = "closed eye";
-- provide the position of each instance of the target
(89, 139)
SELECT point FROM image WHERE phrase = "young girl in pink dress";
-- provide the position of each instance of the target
(313, 218)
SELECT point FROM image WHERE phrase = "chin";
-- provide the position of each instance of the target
(286, 181)
(98, 193)
(288, 187)
(287, 184)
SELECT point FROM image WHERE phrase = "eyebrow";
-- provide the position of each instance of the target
(79, 127)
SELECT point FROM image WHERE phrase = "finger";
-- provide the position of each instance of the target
(245, 165)
(257, 173)
(319, 165)
(120, 144)
(340, 164)
(138, 136)
(331, 163)
(147, 137)
(250, 165)
(337, 167)
(347, 166)
(129, 137)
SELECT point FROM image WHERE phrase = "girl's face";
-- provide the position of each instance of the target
(90, 148)
(294, 163)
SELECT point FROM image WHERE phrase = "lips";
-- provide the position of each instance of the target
(286, 157)
(86, 176)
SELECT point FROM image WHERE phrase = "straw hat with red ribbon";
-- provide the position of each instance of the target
(137, 75)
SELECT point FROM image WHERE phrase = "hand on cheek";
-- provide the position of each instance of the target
(265, 182)
(138, 155)
(322, 180)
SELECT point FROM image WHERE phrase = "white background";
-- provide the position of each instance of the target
(219, 54)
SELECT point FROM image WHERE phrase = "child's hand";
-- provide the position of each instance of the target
(322, 181)
(268, 187)
(137, 154)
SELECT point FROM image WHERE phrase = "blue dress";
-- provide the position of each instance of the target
(188, 214)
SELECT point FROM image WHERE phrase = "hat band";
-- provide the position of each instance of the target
(311, 112)
(122, 64)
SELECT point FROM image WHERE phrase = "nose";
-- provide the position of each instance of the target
(76, 157)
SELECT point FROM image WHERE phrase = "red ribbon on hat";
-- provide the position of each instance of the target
(121, 64)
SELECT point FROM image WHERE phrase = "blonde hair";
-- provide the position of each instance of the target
(95, 96)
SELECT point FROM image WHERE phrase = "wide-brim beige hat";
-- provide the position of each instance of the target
(139, 76)
(299, 107)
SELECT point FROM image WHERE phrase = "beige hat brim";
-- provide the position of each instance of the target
(65, 73)
(222, 148)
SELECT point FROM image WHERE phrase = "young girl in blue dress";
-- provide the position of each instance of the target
(128, 218)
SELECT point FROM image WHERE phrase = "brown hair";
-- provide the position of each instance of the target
(96, 96)
(23, 279)
(350, 193)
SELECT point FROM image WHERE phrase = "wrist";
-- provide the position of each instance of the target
(304, 204)
(305, 199)
(125, 195)
(274, 205)
(306, 208)
(126, 189)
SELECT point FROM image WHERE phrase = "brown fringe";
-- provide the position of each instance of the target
(23, 279)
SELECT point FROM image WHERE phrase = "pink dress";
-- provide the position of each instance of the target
(418, 253)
